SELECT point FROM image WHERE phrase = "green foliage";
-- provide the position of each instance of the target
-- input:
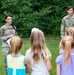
(44, 14)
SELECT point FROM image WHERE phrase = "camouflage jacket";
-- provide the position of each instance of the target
(6, 30)
(66, 23)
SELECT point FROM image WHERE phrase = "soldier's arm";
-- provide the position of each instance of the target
(63, 28)
(2, 37)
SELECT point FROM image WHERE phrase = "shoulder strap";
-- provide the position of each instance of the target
(14, 27)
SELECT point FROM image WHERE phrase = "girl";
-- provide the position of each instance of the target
(38, 56)
(65, 62)
(70, 32)
(16, 61)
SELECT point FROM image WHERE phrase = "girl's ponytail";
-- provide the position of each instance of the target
(67, 52)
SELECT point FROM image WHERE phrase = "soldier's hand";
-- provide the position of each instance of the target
(9, 36)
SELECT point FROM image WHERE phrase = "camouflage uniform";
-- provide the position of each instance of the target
(6, 30)
(67, 22)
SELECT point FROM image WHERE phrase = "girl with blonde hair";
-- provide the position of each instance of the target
(38, 56)
(16, 61)
(70, 32)
(65, 61)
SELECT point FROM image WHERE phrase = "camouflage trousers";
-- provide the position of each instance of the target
(5, 51)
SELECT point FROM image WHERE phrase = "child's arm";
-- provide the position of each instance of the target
(29, 69)
(48, 64)
(58, 70)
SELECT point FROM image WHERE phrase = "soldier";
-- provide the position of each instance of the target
(6, 32)
(67, 21)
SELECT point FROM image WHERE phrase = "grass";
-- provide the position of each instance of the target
(52, 46)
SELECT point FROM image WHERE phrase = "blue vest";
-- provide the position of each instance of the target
(16, 65)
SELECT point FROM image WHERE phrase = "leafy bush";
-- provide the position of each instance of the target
(43, 14)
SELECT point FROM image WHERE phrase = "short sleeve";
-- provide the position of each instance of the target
(59, 60)
(48, 54)
(28, 54)
(61, 51)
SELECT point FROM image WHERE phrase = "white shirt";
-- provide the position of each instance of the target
(37, 68)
